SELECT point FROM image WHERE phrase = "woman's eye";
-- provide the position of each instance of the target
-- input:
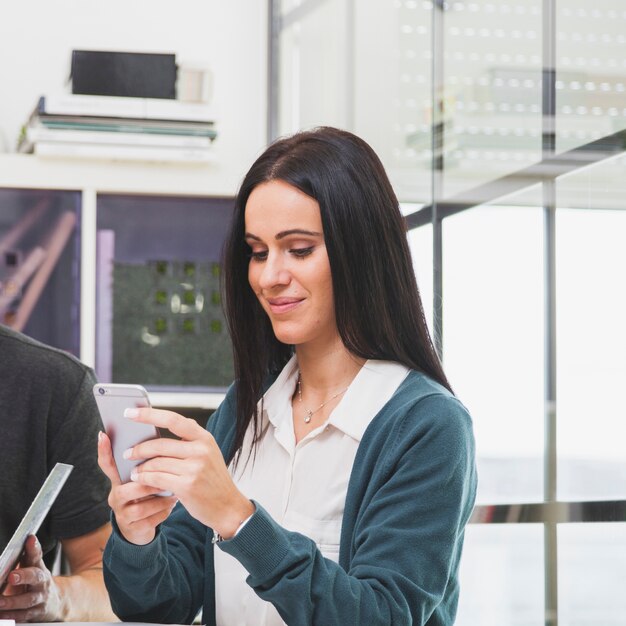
(259, 256)
(301, 252)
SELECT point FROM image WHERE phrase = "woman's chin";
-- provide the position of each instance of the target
(289, 339)
(288, 334)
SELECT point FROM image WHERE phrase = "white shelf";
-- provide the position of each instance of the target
(33, 172)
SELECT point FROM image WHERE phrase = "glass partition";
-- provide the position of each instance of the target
(591, 332)
(592, 566)
(392, 102)
(314, 68)
(509, 589)
(491, 101)
(502, 127)
(591, 71)
(493, 342)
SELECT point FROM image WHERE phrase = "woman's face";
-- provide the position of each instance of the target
(289, 269)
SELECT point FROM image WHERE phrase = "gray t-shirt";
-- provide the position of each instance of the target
(48, 415)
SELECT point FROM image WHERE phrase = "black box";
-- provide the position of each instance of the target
(134, 74)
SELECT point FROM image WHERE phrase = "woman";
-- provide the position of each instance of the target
(333, 484)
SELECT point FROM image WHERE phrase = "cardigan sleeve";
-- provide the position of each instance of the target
(406, 538)
(162, 581)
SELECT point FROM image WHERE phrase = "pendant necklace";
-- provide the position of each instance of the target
(309, 412)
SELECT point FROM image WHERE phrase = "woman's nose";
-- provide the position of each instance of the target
(274, 272)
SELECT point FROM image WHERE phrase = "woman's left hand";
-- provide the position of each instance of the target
(31, 594)
(192, 468)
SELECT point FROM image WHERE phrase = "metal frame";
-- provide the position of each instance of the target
(275, 27)
(437, 169)
(548, 110)
(350, 62)
(550, 512)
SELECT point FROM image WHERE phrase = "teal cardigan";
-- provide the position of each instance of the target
(410, 495)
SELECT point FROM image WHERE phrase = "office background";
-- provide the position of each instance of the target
(502, 127)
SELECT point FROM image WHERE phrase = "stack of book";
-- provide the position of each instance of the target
(120, 128)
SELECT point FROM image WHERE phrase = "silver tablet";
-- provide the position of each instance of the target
(33, 518)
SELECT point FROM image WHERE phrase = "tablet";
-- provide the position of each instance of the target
(33, 518)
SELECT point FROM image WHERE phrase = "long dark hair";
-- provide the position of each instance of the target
(378, 309)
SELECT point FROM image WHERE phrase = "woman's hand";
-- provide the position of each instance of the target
(192, 468)
(138, 511)
(31, 594)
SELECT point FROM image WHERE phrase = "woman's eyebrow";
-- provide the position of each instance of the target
(285, 233)
(297, 231)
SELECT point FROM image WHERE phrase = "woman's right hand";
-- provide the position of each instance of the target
(138, 510)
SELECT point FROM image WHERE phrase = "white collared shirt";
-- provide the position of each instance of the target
(303, 487)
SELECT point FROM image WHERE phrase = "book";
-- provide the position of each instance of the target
(119, 152)
(125, 107)
(116, 124)
(33, 518)
(37, 134)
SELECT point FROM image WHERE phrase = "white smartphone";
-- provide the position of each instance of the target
(124, 433)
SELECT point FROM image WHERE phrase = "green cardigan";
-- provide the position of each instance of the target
(410, 495)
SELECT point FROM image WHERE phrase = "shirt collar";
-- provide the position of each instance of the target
(370, 390)
(276, 402)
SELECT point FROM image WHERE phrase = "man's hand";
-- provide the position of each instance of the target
(31, 594)
(34, 595)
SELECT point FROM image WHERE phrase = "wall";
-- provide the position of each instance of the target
(36, 39)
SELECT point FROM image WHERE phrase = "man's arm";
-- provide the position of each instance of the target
(33, 594)
(83, 595)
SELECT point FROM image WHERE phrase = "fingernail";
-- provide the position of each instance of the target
(99, 436)
(131, 413)
(134, 476)
(16, 578)
(128, 453)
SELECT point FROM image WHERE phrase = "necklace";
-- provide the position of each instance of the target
(310, 412)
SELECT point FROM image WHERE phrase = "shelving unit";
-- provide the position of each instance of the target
(94, 178)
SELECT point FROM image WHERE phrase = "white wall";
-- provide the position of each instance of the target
(36, 39)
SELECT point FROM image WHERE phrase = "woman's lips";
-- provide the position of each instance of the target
(283, 305)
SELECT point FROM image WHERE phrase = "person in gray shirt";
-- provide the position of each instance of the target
(48, 415)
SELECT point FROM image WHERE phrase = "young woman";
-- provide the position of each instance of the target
(334, 483)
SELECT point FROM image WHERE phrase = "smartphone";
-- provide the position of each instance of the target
(123, 432)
